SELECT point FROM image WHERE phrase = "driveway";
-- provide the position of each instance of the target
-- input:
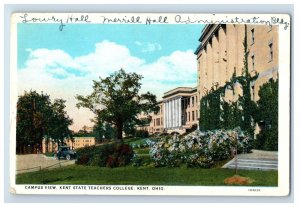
(35, 162)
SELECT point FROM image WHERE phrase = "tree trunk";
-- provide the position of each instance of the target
(46, 144)
(119, 131)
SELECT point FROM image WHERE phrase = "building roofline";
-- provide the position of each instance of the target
(198, 49)
(205, 31)
(179, 90)
(78, 137)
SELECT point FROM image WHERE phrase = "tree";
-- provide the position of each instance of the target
(103, 131)
(84, 132)
(116, 100)
(33, 112)
(38, 118)
(267, 116)
(59, 122)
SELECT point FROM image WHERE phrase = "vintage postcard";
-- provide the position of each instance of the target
(150, 104)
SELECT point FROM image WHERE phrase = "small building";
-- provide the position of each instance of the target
(80, 142)
(77, 142)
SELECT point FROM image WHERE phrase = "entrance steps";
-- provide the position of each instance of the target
(252, 164)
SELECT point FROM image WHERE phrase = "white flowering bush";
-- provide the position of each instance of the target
(199, 149)
(145, 143)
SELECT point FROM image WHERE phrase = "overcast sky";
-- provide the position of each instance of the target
(64, 63)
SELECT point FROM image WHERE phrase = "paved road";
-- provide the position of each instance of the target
(257, 160)
(38, 161)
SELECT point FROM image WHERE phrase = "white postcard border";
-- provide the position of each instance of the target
(283, 188)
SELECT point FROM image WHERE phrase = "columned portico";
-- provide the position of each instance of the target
(176, 106)
(172, 112)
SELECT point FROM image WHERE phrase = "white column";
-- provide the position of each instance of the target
(164, 116)
(173, 113)
(169, 114)
(179, 112)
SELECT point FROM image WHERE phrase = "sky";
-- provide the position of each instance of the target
(64, 63)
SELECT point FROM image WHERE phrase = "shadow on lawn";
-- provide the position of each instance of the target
(46, 181)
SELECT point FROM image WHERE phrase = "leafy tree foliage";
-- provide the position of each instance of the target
(267, 117)
(115, 100)
(211, 107)
(84, 132)
(59, 122)
(38, 118)
(103, 131)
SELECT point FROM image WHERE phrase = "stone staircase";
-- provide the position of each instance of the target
(252, 164)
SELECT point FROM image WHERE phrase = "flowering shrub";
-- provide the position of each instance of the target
(199, 149)
(146, 143)
(108, 155)
(83, 160)
(138, 160)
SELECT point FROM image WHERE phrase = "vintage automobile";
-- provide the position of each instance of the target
(65, 152)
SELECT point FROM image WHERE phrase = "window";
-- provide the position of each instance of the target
(197, 114)
(192, 101)
(270, 52)
(157, 121)
(193, 116)
(252, 36)
(253, 62)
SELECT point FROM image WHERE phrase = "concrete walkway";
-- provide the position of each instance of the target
(35, 162)
(257, 160)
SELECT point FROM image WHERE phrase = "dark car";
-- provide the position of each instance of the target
(65, 152)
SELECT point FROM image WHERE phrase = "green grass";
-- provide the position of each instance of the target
(135, 140)
(129, 175)
(142, 150)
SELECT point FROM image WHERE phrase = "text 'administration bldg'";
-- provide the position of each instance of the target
(219, 54)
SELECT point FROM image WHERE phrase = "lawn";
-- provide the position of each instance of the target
(142, 150)
(77, 174)
(135, 141)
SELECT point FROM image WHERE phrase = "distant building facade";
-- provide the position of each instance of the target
(178, 112)
(221, 53)
(78, 142)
